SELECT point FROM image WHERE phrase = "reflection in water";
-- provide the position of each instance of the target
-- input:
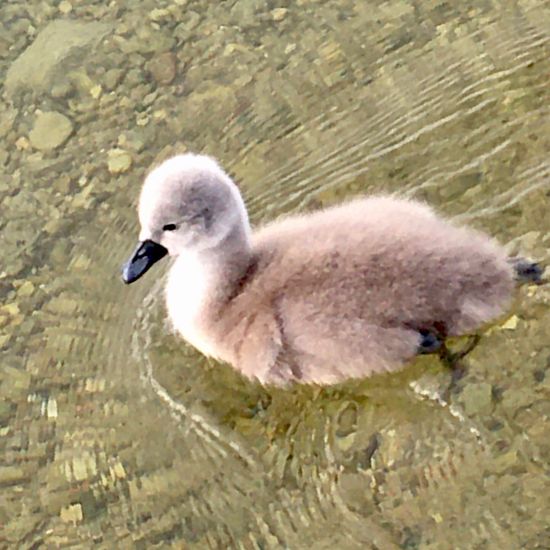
(112, 430)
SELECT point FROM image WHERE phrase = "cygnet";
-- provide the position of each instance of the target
(341, 293)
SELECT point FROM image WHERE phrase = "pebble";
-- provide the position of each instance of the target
(15, 381)
(112, 78)
(62, 184)
(511, 323)
(25, 290)
(12, 475)
(51, 129)
(6, 121)
(52, 226)
(11, 309)
(117, 471)
(163, 67)
(158, 14)
(61, 89)
(62, 306)
(51, 410)
(278, 14)
(65, 7)
(60, 251)
(5, 414)
(80, 470)
(95, 91)
(142, 120)
(22, 143)
(119, 161)
(81, 262)
(71, 514)
(477, 398)
(134, 139)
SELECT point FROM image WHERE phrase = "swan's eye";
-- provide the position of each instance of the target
(169, 227)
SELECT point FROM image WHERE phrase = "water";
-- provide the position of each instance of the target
(117, 435)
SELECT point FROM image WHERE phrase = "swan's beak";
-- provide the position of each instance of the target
(146, 254)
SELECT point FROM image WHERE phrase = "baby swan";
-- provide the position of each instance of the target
(319, 298)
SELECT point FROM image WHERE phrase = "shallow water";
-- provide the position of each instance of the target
(117, 435)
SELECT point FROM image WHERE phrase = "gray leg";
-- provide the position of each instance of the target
(452, 359)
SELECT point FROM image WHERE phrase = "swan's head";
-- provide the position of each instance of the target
(187, 204)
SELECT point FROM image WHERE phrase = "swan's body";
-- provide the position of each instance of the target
(341, 293)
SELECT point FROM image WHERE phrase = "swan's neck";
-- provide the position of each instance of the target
(224, 265)
(200, 283)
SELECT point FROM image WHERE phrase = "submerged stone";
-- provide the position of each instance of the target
(511, 323)
(163, 67)
(245, 12)
(65, 7)
(60, 46)
(25, 290)
(119, 161)
(6, 121)
(51, 409)
(278, 14)
(112, 78)
(15, 381)
(62, 306)
(50, 130)
(11, 309)
(6, 410)
(477, 398)
(71, 514)
(12, 475)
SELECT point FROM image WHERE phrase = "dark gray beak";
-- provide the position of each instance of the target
(146, 254)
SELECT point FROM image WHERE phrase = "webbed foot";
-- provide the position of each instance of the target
(527, 271)
(429, 343)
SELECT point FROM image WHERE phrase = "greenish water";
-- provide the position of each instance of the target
(114, 433)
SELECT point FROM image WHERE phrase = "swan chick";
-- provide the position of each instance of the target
(345, 292)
